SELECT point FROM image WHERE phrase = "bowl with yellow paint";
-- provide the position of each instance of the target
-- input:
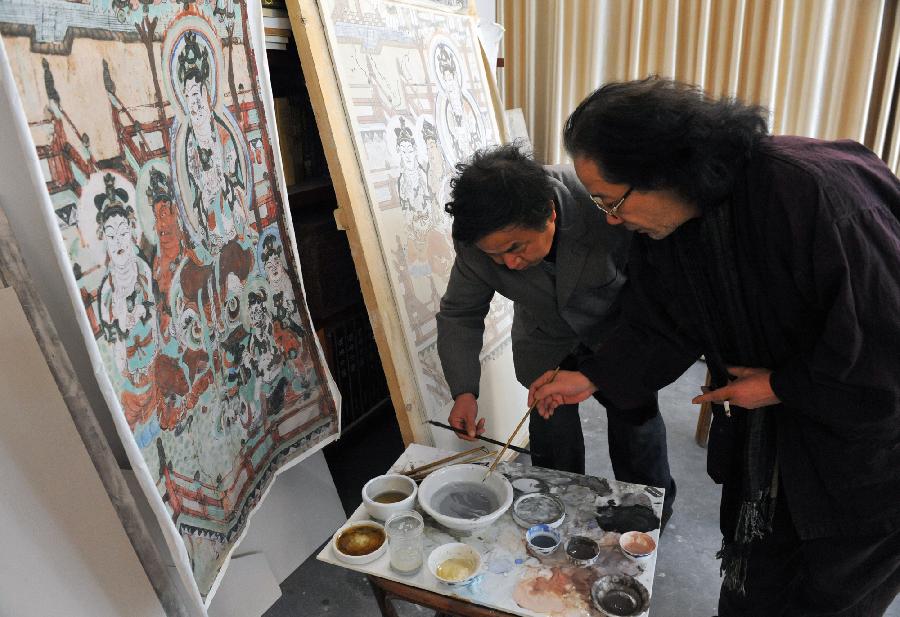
(455, 564)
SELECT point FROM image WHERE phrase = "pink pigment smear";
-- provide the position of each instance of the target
(560, 595)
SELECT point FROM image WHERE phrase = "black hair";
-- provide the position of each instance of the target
(499, 187)
(661, 134)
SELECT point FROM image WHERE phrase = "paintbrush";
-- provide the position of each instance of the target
(518, 426)
(481, 437)
(439, 462)
(418, 477)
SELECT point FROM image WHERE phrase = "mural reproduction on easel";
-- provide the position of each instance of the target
(155, 146)
(419, 103)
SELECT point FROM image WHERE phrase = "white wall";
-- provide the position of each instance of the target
(487, 9)
(302, 507)
(64, 550)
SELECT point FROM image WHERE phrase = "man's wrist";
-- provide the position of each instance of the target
(463, 395)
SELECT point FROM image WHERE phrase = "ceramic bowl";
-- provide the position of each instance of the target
(465, 566)
(391, 482)
(637, 544)
(538, 509)
(581, 550)
(542, 540)
(619, 596)
(496, 483)
(356, 552)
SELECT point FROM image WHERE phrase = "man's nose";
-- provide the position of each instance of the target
(511, 261)
(612, 219)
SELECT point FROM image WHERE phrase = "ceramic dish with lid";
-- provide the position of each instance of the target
(538, 509)
(359, 542)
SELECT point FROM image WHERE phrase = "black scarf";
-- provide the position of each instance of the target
(725, 291)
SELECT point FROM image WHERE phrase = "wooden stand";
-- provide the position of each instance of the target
(387, 591)
(704, 420)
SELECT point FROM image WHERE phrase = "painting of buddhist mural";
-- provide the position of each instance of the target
(419, 102)
(155, 147)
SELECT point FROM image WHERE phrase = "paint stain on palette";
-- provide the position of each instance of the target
(560, 591)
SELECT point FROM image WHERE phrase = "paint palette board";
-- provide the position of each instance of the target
(513, 580)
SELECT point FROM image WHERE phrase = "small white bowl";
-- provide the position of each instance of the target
(383, 484)
(542, 540)
(366, 557)
(458, 551)
(637, 544)
(496, 483)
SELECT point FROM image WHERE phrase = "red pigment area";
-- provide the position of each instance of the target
(566, 588)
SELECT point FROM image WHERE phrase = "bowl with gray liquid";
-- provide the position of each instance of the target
(456, 497)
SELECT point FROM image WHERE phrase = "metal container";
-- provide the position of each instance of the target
(619, 596)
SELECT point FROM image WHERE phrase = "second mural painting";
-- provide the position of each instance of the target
(418, 101)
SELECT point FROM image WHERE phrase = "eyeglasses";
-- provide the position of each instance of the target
(611, 210)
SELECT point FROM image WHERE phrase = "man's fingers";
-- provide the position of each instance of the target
(462, 425)
(536, 384)
(713, 396)
(479, 428)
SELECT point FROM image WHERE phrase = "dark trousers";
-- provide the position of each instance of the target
(842, 576)
(637, 445)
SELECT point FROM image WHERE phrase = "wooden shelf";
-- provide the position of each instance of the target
(311, 193)
(309, 186)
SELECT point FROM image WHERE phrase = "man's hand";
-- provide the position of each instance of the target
(750, 390)
(568, 387)
(463, 415)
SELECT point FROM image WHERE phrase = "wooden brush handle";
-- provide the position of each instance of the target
(513, 436)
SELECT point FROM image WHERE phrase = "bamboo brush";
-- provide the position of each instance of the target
(515, 432)
(443, 461)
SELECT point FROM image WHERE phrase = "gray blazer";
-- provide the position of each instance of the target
(550, 318)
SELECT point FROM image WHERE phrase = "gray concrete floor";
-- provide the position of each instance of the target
(687, 573)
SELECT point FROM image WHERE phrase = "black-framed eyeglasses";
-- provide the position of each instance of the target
(611, 210)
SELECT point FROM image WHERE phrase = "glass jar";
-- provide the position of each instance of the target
(404, 532)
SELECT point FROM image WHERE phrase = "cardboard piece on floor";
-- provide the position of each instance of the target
(254, 573)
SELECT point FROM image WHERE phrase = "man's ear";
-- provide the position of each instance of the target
(552, 211)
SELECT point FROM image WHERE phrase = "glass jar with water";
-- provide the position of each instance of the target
(404, 532)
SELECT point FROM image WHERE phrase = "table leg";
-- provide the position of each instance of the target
(381, 597)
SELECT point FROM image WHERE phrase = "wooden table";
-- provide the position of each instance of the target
(386, 591)
(508, 568)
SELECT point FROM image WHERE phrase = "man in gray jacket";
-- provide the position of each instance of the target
(533, 234)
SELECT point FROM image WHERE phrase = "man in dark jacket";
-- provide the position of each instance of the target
(532, 234)
(779, 259)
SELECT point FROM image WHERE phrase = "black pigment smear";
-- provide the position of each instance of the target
(627, 518)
